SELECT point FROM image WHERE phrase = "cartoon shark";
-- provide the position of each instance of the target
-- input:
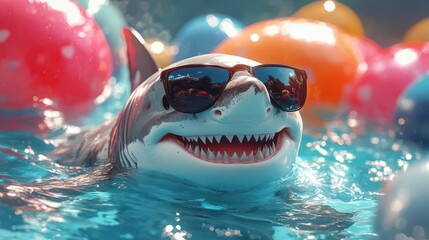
(243, 140)
(245, 137)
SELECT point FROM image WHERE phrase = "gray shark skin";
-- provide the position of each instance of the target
(146, 135)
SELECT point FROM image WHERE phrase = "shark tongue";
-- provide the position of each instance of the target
(231, 148)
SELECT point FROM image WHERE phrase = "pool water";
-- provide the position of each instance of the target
(331, 194)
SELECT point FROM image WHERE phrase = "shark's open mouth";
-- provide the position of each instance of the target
(229, 149)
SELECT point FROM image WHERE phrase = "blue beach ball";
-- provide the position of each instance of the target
(403, 211)
(111, 21)
(412, 113)
(202, 34)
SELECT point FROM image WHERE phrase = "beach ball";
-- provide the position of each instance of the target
(111, 21)
(384, 77)
(333, 12)
(161, 51)
(419, 32)
(328, 55)
(202, 34)
(412, 113)
(403, 211)
(51, 52)
(366, 48)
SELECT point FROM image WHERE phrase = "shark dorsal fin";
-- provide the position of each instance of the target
(141, 63)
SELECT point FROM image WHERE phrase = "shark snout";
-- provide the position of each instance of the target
(244, 100)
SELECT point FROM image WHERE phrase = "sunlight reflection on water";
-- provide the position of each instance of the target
(332, 194)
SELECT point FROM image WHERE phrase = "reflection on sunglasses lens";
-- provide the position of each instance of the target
(195, 89)
(285, 85)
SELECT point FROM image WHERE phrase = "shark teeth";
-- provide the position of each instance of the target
(229, 138)
(245, 148)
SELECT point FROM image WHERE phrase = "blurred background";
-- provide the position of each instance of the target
(362, 57)
(384, 21)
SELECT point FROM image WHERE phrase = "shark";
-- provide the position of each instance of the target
(243, 140)
(239, 142)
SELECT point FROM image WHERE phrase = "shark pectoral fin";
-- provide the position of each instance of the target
(141, 63)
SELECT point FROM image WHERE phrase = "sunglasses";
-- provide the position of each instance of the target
(195, 88)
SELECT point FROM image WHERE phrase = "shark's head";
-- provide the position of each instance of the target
(242, 141)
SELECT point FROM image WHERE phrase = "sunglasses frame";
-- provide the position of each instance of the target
(231, 71)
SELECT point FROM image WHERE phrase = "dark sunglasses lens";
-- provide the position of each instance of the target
(194, 89)
(286, 86)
